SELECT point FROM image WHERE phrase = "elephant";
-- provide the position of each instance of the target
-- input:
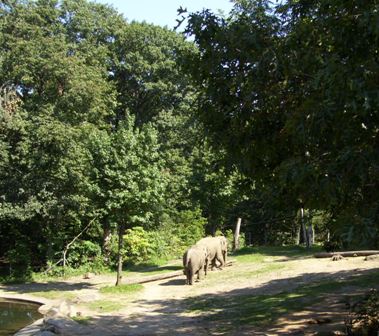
(215, 247)
(224, 247)
(195, 260)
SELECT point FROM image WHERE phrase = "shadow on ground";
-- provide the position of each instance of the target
(148, 268)
(313, 301)
(46, 287)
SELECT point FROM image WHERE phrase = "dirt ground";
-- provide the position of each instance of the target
(159, 308)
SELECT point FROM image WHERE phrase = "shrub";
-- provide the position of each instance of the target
(87, 254)
(136, 245)
(20, 261)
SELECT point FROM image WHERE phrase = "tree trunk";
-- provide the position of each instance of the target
(347, 254)
(298, 235)
(311, 234)
(236, 243)
(121, 231)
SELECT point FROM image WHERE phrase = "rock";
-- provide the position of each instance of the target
(47, 333)
(53, 311)
(67, 327)
(44, 309)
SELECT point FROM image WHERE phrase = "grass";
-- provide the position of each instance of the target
(121, 289)
(55, 294)
(261, 310)
(258, 254)
(105, 306)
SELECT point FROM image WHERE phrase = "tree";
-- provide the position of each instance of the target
(127, 171)
(144, 68)
(294, 102)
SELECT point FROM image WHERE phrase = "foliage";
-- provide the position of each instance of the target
(176, 234)
(20, 261)
(86, 253)
(293, 103)
(74, 138)
(131, 125)
(136, 245)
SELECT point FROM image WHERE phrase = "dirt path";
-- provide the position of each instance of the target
(160, 308)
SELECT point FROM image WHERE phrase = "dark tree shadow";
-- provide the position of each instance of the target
(46, 287)
(173, 282)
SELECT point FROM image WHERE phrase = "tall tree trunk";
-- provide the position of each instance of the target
(311, 234)
(236, 243)
(121, 230)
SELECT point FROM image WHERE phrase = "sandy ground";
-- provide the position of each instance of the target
(159, 308)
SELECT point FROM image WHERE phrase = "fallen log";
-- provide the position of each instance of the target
(346, 254)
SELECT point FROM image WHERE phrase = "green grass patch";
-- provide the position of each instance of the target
(55, 294)
(248, 256)
(257, 254)
(105, 306)
(121, 289)
(229, 311)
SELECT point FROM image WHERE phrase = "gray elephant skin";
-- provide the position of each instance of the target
(195, 262)
(215, 246)
(224, 247)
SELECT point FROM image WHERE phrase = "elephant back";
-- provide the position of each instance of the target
(212, 244)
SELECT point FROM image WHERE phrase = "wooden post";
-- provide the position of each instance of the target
(236, 243)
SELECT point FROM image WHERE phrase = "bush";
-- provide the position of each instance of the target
(332, 246)
(136, 245)
(87, 254)
(20, 261)
(190, 226)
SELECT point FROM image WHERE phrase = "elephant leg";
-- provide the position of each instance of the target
(191, 275)
(220, 258)
(206, 267)
(185, 273)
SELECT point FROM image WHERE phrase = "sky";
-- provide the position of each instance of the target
(163, 12)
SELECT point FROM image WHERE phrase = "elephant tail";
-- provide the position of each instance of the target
(187, 259)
